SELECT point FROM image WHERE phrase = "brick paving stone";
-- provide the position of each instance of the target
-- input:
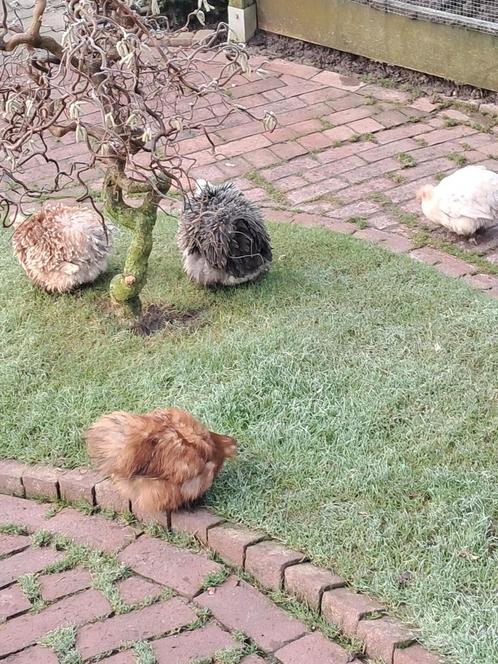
(371, 170)
(349, 115)
(176, 568)
(302, 114)
(252, 659)
(12, 602)
(313, 191)
(262, 158)
(22, 512)
(342, 227)
(34, 655)
(335, 80)
(386, 94)
(41, 482)
(356, 209)
(293, 68)
(378, 152)
(286, 151)
(96, 531)
(345, 608)
(308, 582)
(372, 235)
(415, 654)
(390, 118)
(338, 134)
(423, 104)
(313, 648)
(10, 478)
(124, 657)
(231, 541)
(189, 646)
(26, 562)
(291, 182)
(446, 134)
(79, 484)
(154, 620)
(194, 522)
(267, 561)
(482, 281)
(135, 589)
(383, 221)
(256, 87)
(292, 167)
(238, 606)
(454, 267)
(366, 126)
(316, 141)
(382, 636)
(56, 586)
(107, 497)
(333, 168)
(342, 152)
(76, 610)
(428, 255)
(347, 101)
(12, 544)
(306, 127)
(400, 245)
(398, 133)
(323, 94)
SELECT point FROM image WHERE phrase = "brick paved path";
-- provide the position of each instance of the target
(115, 593)
(346, 155)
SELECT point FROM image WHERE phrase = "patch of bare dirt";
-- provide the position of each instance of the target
(157, 317)
(276, 46)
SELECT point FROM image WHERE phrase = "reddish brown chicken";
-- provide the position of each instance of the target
(160, 460)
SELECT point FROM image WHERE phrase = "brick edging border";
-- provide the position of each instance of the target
(273, 566)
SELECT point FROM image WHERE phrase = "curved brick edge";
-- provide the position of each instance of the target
(272, 565)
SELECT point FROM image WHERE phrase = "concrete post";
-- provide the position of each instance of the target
(242, 19)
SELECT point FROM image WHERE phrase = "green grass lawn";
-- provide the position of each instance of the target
(361, 386)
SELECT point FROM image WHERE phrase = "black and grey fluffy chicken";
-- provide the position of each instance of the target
(222, 237)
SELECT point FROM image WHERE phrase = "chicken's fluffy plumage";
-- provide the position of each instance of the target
(62, 247)
(222, 237)
(160, 460)
(463, 202)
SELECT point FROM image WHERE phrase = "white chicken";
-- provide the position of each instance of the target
(463, 202)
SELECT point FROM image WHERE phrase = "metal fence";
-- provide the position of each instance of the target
(481, 15)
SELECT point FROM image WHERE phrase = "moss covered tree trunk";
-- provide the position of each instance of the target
(125, 288)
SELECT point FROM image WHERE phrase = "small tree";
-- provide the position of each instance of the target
(111, 80)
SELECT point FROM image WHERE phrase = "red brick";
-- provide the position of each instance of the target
(306, 219)
(316, 141)
(342, 152)
(291, 182)
(308, 582)
(197, 144)
(295, 86)
(267, 561)
(55, 586)
(382, 636)
(95, 531)
(312, 191)
(390, 118)
(306, 127)
(398, 244)
(12, 544)
(293, 68)
(22, 512)
(454, 267)
(12, 602)
(76, 610)
(10, 478)
(262, 158)
(253, 659)
(302, 114)
(298, 165)
(238, 606)
(288, 150)
(241, 131)
(356, 209)
(349, 115)
(107, 497)
(342, 227)
(428, 169)
(194, 522)
(345, 608)
(135, 590)
(153, 620)
(231, 541)
(189, 646)
(382, 221)
(415, 655)
(446, 134)
(346, 101)
(123, 657)
(339, 81)
(365, 126)
(389, 149)
(282, 134)
(41, 482)
(398, 133)
(176, 568)
(273, 95)
(313, 648)
(372, 170)
(428, 255)
(256, 87)
(423, 104)
(372, 235)
(26, 562)
(79, 484)
(34, 655)
(482, 281)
